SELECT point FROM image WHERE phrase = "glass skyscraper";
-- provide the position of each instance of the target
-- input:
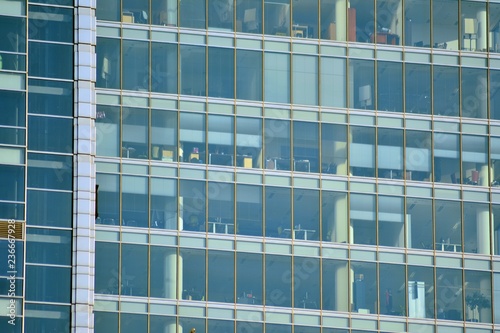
(247, 166)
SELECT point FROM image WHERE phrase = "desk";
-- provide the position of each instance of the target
(385, 38)
(448, 247)
(220, 159)
(284, 164)
(212, 227)
(302, 165)
(298, 232)
(127, 150)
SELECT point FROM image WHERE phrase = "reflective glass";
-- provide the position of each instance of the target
(133, 323)
(220, 141)
(478, 296)
(220, 15)
(50, 134)
(163, 203)
(221, 208)
(277, 77)
(134, 270)
(305, 19)
(418, 155)
(278, 328)
(48, 246)
(474, 36)
(192, 205)
(159, 323)
(391, 226)
(221, 276)
(192, 137)
(135, 134)
(278, 212)
(135, 11)
(334, 213)
(193, 275)
(333, 82)
(364, 297)
(496, 296)
(389, 19)
(494, 27)
(41, 212)
(475, 160)
(220, 72)
(305, 215)
(335, 296)
(305, 79)
(5, 270)
(249, 16)
(13, 108)
(249, 281)
(278, 281)
(215, 326)
(39, 280)
(392, 282)
(494, 92)
(50, 97)
(277, 17)
(164, 68)
(419, 223)
(249, 210)
(362, 151)
(249, 75)
(193, 70)
(44, 317)
(334, 149)
(361, 14)
(446, 91)
(108, 199)
(362, 91)
(449, 294)
(108, 63)
(51, 60)
(248, 326)
(362, 225)
(476, 228)
(105, 322)
(446, 158)
(306, 276)
(164, 135)
(496, 230)
(187, 323)
(445, 27)
(50, 23)
(50, 171)
(448, 225)
(135, 65)
(417, 23)
(333, 22)
(106, 268)
(135, 201)
(390, 153)
(248, 142)
(192, 14)
(418, 88)
(12, 182)
(420, 292)
(108, 10)
(108, 125)
(474, 93)
(305, 146)
(495, 156)
(12, 34)
(389, 86)
(12, 62)
(164, 12)
(277, 144)
(163, 272)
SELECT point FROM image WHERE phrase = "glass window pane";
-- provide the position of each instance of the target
(13, 108)
(333, 82)
(40, 211)
(249, 16)
(164, 68)
(248, 142)
(42, 134)
(192, 14)
(164, 12)
(390, 153)
(474, 93)
(495, 156)
(361, 14)
(476, 228)
(495, 91)
(40, 278)
(249, 210)
(305, 19)
(333, 149)
(135, 11)
(192, 68)
(496, 230)
(277, 144)
(192, 137)
(132, 323)
(362, 219)
(305, 215)
(449, 294)
(51, 60)
(108, 124)
(108, 63)
(334, 212)
(446, 158)
(192, 205)
(106, 268)
(494, 27)
(446, 92)
(305, 79)
(390, 86)
(391, 226)
(496, 296)
(134, 270)
(220, 141)
(221, 276)
(42, 317)
(12, 182)
(19, 257)
(474, 160)
(12, 34)
(417, 88)
(193, 275)
(364, 296)
(108, 200)
(445, 24)
(220, 72)
(448, 226)
(220, 208)
(135, 135)
(278, 281)
(163, 203)
(419, 223)
(163, 272)
(474, 26)
(478, 296)
(277, 77)
(277, 17)
(108, 10)
(393, 281)
(135, 201)
(50, 97)
(306, 274)
(105, 322)
(48, 246)
(249, 280)
(162, 323)
(420, 292)
(249, 75)
(220, 15)
(362, 93)
(417, 23)
(164, 135)
(49, 23)
(418, 156)
(50, 171)
(278, 212)
(333, 23)
(305, 147)
(215, 326)
(362, 151)
(135, 66)
(389, 19)
(334, 291)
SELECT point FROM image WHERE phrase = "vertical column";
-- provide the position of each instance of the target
(482, 30)
(171, 6)
(170, 274)
(338, 220)
(483, 230)
(484, 175)
(408, 230)
(340, 19)
(342, 298)
(82, 319)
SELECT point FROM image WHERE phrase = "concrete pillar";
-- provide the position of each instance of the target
(170, 274)
(485, 289)
(340, 20)
(483, 230)
(171, 326)
(171, 69)
(482, 30)
(341, 288)
(484, 175)
(340, 153)
(180, 225)
(338, 221)
(408, 230)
